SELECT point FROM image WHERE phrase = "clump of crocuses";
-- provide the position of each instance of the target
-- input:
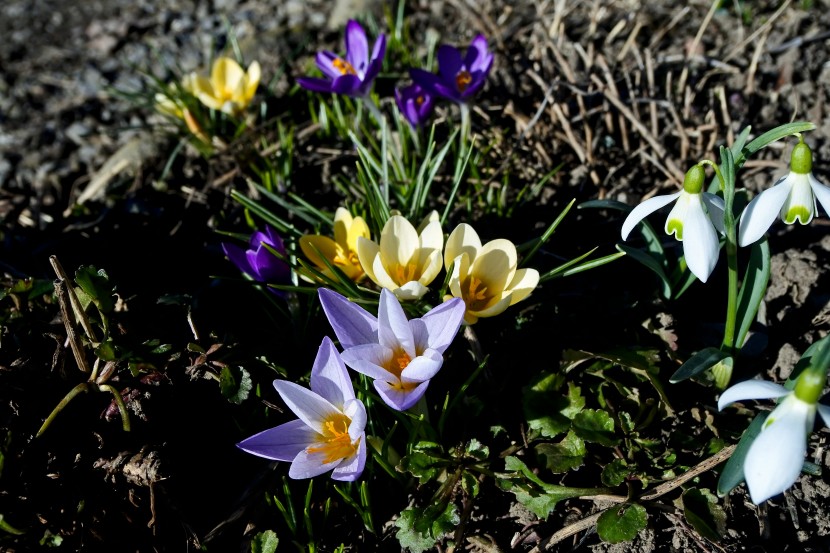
(352, 74)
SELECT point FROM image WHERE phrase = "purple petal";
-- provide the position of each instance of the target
(398, 399)
(393, 326)
(274, 239)
(238, 257)
(281, 443)
(352, 324)
(434, 85)
(351, 469)
(348, 85)
(309, 407)
(329, 377)
(356, 411)
(370, 359)
(357, 47)
(478, 58)
(315, 84)
(478, 80)
(449, 63)
(325, 61)
(442, 324)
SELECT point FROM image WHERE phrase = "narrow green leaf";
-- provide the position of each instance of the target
(697, 363)
(651, 263)
(702, 511)
(772, 136)
(548, 232)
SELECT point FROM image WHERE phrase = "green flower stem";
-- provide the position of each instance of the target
(125, 416)
(79, 389)
(465, 127)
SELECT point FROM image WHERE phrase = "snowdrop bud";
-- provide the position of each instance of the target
(694, 179)
(801, 160)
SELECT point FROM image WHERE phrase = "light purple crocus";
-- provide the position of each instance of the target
(329, 432)
(415, 104)
(352, 76)
(458, 78)
(401, 355)
(257, 261)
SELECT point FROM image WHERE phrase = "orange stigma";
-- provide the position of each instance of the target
(336, 443)
(463, 80)
(343, 66)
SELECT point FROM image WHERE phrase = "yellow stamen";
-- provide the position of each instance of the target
(407, 273)
(399, 361)
(463, 80)
(476, 297)
(344, 67)
(336, 443)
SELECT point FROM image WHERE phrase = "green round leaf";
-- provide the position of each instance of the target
(622, 523)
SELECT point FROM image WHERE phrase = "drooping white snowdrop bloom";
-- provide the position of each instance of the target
(792, 198)
(695, 219)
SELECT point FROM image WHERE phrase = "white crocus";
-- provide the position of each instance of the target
(693, 220)
(404, 262)
(485, 277)
(792, 198)
(775, 458)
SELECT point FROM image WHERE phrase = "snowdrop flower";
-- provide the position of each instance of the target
(692, 220)
(329, 432)
(257, 261)
(400, 355)
(458, 78)
(229, 89)
(404, 262)
(792, 198)
(340, 252)
(775, 458)
(485, 277)
(352, 76)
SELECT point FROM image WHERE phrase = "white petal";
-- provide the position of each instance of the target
(821, 192)
(762, 211)
(381, 276)
(800, 204)
(412, 290)
(356, 411)
(309, 407)
(367, 253)
(751, 389)
(524, 282)
(775, 458)
(329, 376)
(398, 242)
(309, 465)
(432, 237)
(281, 443)
(645, 209)
(715, 206)
(370, 359)
(393, 326)
(430, 263)
(423, 367)
(700, 241)
(399, 399)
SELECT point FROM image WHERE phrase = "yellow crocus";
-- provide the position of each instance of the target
(404, 262)
(340, 252)
(229, 89)
(485, 277)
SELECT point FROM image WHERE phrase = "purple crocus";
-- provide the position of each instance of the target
(329, 432)
(353, 75)
(257, 262)
(458, 78)
(400, 355)
(415, 104)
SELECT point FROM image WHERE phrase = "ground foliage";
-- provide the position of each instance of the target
(620, 96)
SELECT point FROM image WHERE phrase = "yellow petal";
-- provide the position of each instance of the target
(381, 277)
(252, 81)
(226, 76)
(431, 217)
(342, 222)
(367, 251)
(311, 244)
(460, 270)
(495, 265)
(463, 239)
(356, 229)
(494, 308)
(524, 282)
(430, 266)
